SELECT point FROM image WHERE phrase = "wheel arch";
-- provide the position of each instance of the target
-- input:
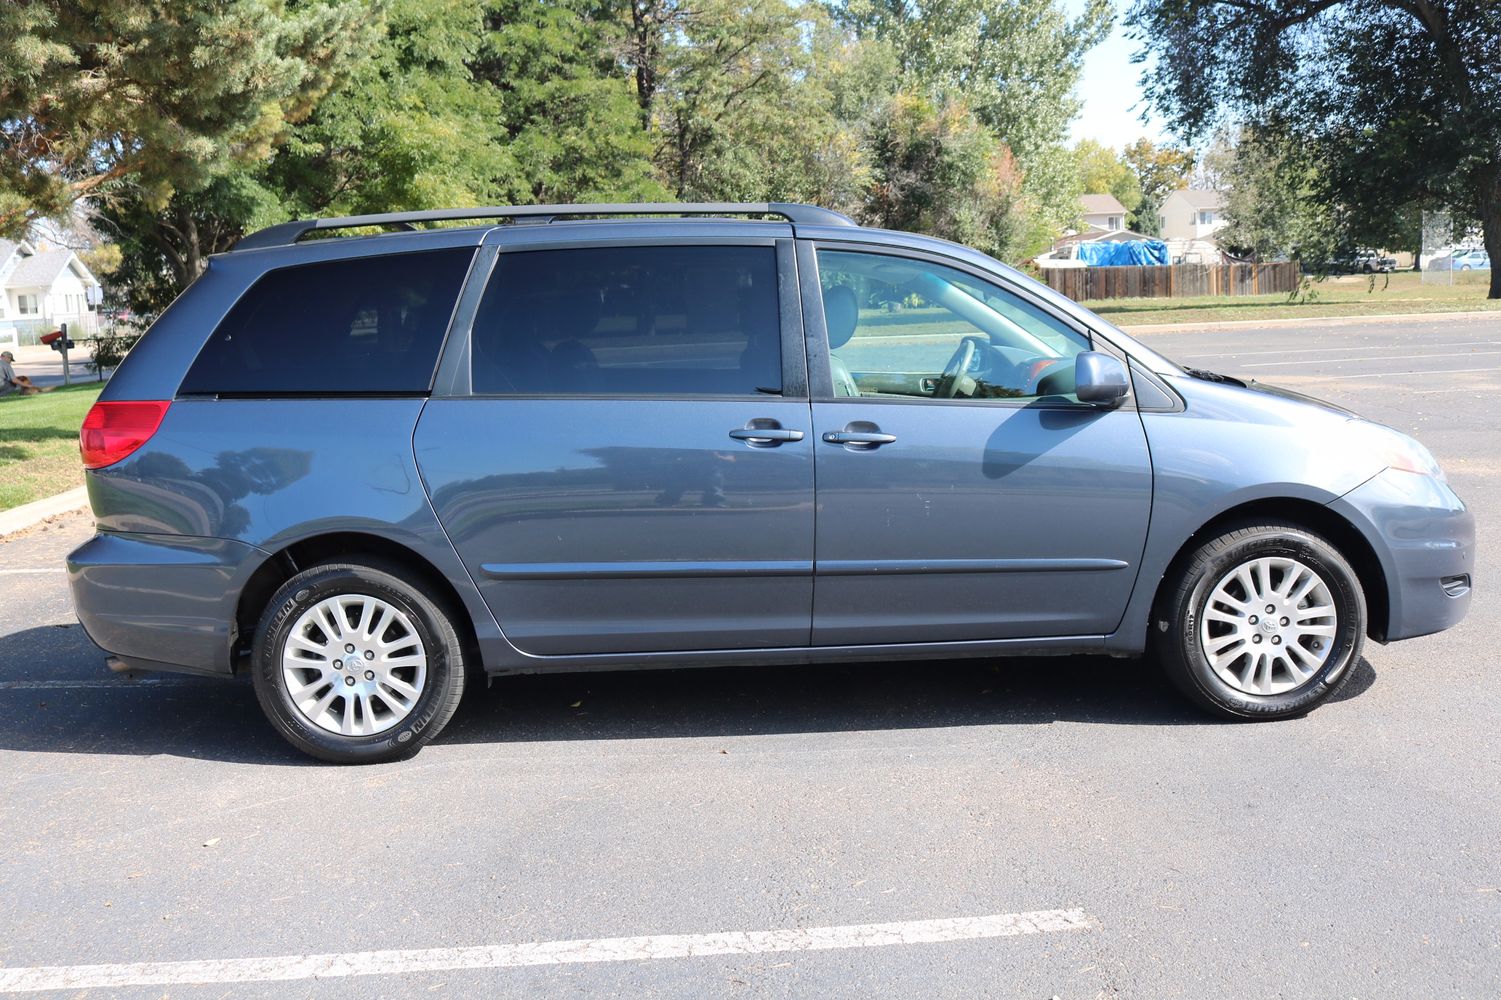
(1315, 517)
(291, 559)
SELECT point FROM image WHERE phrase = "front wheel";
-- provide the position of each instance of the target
(354, 664)
(1261, 622)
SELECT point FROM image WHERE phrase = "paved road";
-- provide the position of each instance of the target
(1353, 853)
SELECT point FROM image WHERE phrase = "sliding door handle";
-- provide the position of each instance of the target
(764, 432)
(859, 435)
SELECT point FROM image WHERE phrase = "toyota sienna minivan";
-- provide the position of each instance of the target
(365, 467)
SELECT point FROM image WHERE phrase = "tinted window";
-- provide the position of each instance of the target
(637, 321)
(903, 327)
(367, 325)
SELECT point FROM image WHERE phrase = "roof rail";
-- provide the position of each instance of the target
(288, 233)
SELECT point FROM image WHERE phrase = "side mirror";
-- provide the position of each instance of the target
(1100, 378)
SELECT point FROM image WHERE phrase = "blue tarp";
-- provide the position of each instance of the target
(1127, 253)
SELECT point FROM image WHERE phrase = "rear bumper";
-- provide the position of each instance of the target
(1425, 540)
(166, 602)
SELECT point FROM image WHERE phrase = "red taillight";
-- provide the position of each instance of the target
(111, 431)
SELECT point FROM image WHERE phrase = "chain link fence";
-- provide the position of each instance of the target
(1453, 252)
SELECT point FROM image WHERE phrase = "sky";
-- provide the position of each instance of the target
(1110, 89)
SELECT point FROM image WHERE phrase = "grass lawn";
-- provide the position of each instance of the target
(39, 443)
(1352, 295)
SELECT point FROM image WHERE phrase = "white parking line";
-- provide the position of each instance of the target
(1341, 347)
(48, 569)
(1384, 357)
(1446, 371)
(503, 956)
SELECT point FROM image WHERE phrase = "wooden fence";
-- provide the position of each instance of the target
(1173, 281)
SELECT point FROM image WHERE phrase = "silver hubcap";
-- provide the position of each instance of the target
(1269, 626)
(354, 665)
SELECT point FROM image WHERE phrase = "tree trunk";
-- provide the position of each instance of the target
(1490, 225)
(193, 252)
(643, 41)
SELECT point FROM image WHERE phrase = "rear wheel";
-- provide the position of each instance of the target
(354, 664)
(1262, 622)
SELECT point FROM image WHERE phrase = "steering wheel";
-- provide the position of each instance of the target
(956, 377)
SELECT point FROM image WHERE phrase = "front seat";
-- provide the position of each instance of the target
(841, 314)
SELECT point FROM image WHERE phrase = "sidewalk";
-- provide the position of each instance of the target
(28, 515)
(44, 366)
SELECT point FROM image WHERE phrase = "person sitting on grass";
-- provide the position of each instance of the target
(8, 383)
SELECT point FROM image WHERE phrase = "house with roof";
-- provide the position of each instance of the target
(1102, 211)
(1192, 214)
(42, 286)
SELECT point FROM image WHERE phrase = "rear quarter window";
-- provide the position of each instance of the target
(361, 326)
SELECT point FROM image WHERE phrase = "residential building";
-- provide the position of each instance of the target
(1192, 214)
(41, 287)
(1102, 211)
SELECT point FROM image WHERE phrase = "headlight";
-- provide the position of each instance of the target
(1403, 453)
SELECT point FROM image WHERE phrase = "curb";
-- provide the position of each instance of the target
(30, 514)
(1314, 321)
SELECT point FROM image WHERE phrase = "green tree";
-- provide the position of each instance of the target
(725, 86)
(1147, 219)
(1013, 62)
(164, 95)
(1159, 170)
(568, 117)
(409, 128)
(743, 99)
(163, 248)
(1268, 181)
(1102, 171)
(939, 170)
(1399, 101)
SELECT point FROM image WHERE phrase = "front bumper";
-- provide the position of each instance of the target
(165, 602)
(1424, 539)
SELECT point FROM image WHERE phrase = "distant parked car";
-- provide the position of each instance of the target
(1362, 262)
(1470, 260)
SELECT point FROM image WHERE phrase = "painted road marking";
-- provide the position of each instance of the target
(49, 569)
(1384, 357)
(120, 685)
(1447, 371)
(1342, 347)
(625, 949)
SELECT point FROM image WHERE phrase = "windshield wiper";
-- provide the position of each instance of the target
(1208, 376)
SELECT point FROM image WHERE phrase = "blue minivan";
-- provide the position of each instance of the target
(364, 467)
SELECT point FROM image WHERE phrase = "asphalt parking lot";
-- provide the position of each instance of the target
(1023, 828)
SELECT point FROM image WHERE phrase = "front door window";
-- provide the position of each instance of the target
(908, 328)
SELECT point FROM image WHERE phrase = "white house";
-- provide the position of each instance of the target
(1192, 214)
(41, 288)
(1102, 211)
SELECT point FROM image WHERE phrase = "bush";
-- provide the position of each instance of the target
(110, 347)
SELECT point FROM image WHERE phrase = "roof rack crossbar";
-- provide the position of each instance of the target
(288, 233)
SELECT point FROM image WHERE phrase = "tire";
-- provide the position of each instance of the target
(404, 679)
(1238, 662)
